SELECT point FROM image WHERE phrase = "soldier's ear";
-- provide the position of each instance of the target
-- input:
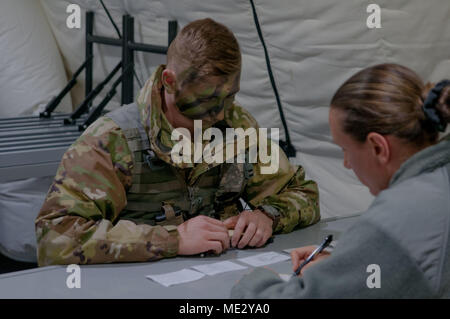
(169, 80)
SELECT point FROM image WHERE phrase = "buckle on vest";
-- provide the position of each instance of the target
(170, 215)
(153, 161)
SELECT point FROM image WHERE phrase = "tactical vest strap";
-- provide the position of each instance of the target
(128, 119)
(170, 216)
(143, 206)
(208, 180)
(156, 188)
(169, 211)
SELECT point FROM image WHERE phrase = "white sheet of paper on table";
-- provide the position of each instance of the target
(219, 267)
(285, 277)
(176, 277)
(264, 259)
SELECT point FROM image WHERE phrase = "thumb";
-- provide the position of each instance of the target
(231, 222)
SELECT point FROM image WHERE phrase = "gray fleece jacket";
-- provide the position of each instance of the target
(405, 231)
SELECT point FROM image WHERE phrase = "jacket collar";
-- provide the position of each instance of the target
(424, 161)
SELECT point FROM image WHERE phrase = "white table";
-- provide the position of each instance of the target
(128, 280)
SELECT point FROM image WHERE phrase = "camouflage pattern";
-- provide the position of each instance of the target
(80, 221)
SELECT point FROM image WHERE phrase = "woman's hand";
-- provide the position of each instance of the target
(299, 255)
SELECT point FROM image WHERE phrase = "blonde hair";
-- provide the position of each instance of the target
(206, 46)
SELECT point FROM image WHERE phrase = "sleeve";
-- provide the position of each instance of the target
(367, 263)
(79, 220)
(286, 190)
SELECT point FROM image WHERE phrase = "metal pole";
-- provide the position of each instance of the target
(88, 100)
(127, 59)
(89, 53)
(173, 29)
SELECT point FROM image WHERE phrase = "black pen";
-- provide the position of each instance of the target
(318, 250)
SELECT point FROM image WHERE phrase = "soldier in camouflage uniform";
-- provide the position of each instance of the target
(118, 195)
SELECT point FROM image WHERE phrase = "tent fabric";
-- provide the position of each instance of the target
(31, 68)
(20, 202)
(313, 47)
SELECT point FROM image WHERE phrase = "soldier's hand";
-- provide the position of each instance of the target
(299, 255)
(201, 234)
(254, 227)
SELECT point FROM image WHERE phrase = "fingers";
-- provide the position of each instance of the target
(254, 227)
(257, 237)
(238, 230)
(216, 246)
(211, 224)
(230, 222)
(295, 262)
(201, 234)
(311, 263)
(248, 235)
(215, 228)
(300, 254)
(219, 237)
(264, 239)
(263, 234)
(210, 220)
(250, 228)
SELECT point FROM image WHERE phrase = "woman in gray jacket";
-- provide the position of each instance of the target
(387, 123)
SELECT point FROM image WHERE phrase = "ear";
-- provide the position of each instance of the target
(169, 80)
(380, 147)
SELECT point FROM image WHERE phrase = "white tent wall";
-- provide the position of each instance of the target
(313, 46)
(31, 68)
(316, 46)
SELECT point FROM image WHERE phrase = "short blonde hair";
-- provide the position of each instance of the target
(208, 47)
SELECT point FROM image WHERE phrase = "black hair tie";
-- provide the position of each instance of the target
(429, 106)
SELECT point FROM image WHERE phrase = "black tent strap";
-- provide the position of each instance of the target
(287, 146)
(120, 37)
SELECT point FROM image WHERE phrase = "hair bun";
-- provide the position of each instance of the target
(443, 105)
(436, 107)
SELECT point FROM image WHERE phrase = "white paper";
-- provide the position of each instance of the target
(264, 259)
(285, 277)
(176, 277)
(217, 268)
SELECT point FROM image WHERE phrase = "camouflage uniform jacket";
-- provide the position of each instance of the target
(81, 221)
